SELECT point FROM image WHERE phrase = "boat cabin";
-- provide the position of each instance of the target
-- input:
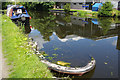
(17, 10)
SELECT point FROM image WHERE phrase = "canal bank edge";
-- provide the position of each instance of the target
(85, 13)
(25, 64)
(0, 47)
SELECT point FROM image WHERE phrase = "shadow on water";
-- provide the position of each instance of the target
(65, 25)
(24, 25)
(73, 39)
(118, 40)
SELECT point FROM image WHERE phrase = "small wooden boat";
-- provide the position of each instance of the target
(71, 70)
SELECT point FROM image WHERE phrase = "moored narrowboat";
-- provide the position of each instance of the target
(17, 12)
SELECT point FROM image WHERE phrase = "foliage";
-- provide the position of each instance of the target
(67, 18)
(67, 7)
(24, 63)
(105, 23)
(83, 13)
(44, 24)
(115, 12)
(106, 9)
(32, 5)
(4, 5)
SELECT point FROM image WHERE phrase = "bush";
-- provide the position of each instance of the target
(106, 9)
(67, 7)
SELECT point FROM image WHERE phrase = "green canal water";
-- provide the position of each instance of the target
(74, 39)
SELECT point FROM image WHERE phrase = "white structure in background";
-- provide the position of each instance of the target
(115, 4)
(71, 37)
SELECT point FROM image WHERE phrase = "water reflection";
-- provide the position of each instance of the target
(25, 26)
(118, 40)
(74, 39)
(73, 26)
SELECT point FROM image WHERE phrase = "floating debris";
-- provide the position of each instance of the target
(105, 63)
(111, 73)
(54, 54)
(107, 56)
(63, 63)
(50, 58)
(56, 49)
(45, 54)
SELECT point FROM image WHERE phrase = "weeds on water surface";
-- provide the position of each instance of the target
(24, 63)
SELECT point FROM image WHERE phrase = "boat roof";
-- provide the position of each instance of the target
(97, 4)
(14, 6)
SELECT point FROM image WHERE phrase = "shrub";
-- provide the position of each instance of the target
(106, 9)
(67, 7)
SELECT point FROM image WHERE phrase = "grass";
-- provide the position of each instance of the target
(24, 63)
(5, 11)
(90, 14)
(56, 9)
(82, 13)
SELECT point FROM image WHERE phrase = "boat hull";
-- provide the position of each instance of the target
(70, 70)
(71, 73)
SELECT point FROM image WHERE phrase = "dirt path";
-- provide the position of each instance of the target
(3, 66)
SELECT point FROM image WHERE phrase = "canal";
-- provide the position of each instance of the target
(74, 39)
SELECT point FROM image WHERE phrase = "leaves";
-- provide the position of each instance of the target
(45, 54)
(105, 9)
(67, 7)
(25, 39)
(54, 54)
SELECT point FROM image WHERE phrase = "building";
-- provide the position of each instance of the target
(77, 4)
(80, 4)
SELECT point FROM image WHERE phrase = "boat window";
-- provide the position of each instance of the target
(23, 11)
(19, 11)
(74, 3)
(80, 3)
(14, 12)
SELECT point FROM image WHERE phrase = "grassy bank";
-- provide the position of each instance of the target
(89, 13)
(83, 13)
(24, 63)
(4, 11)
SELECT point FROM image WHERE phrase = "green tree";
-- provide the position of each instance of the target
(106, 9)
(105, 23)
(4, 5)
(31, 5)
(67, 7)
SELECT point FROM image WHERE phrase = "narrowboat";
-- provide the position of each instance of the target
(17, 12)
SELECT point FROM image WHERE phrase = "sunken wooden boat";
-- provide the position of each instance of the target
(71, 70)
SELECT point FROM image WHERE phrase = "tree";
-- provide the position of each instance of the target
(106, 9)
(67, 7)
(32, 5)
